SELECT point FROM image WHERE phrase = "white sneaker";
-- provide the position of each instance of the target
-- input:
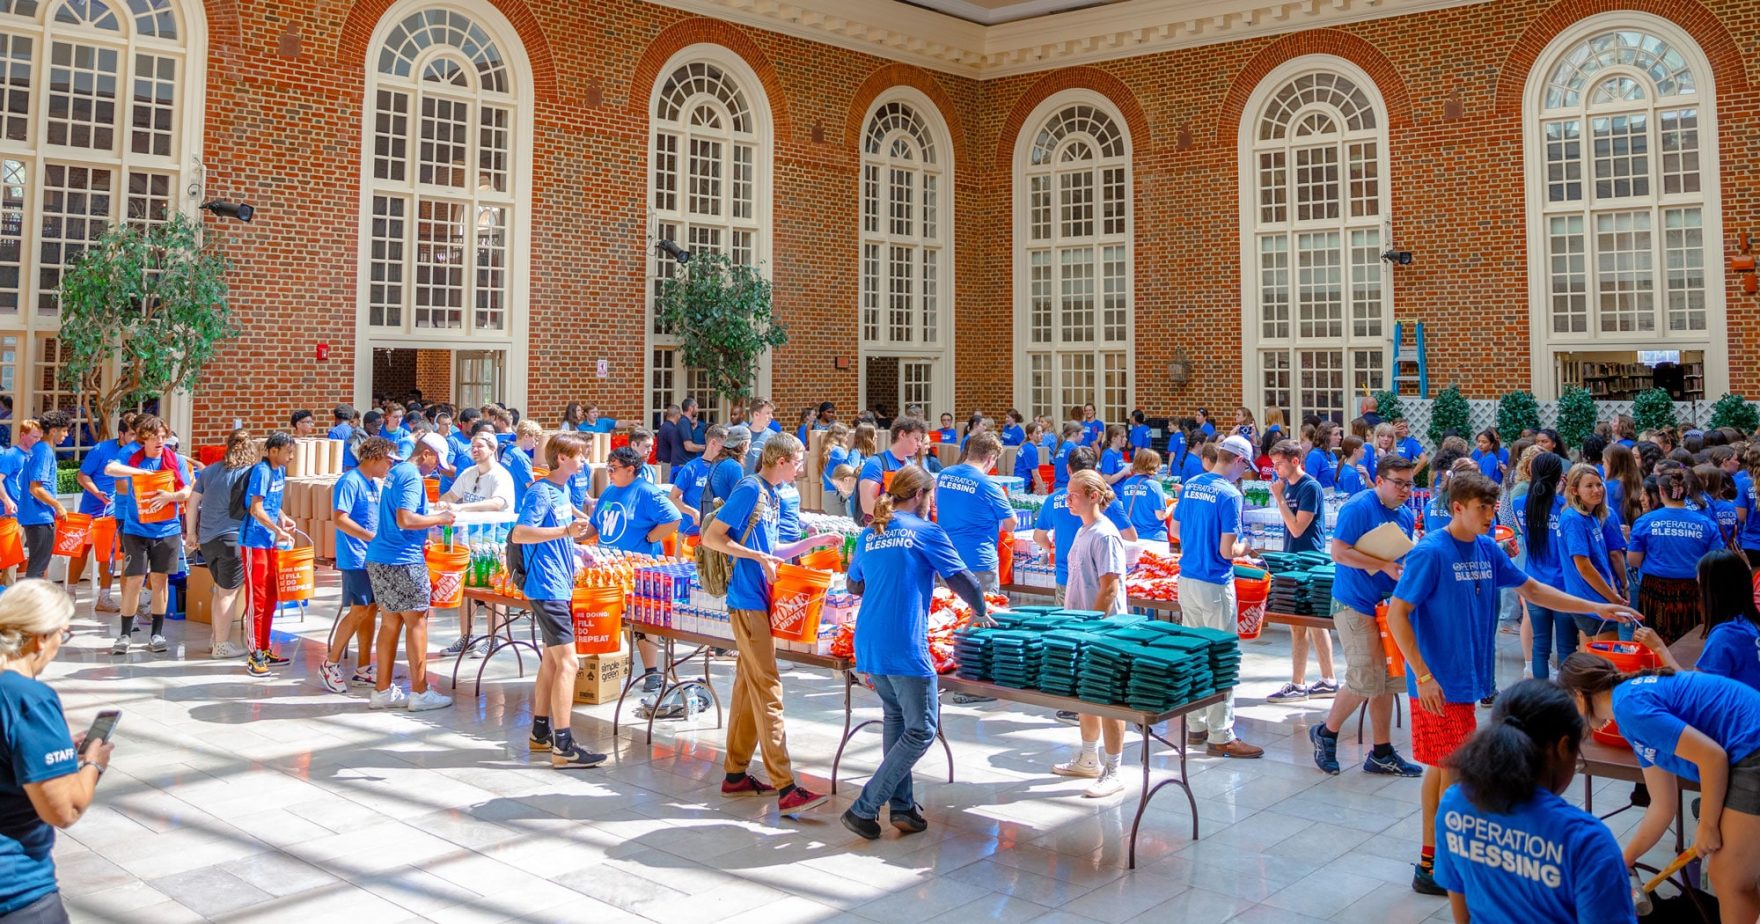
(389, 698)
(330, 678)
(364, 676)
(106, 604)
(226, 650)
(121, 646)
(1110, 783)
(158, 643)
(1289, 693)
(428, 699)
(1087, 764)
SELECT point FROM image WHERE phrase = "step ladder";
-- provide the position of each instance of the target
(1411, 368)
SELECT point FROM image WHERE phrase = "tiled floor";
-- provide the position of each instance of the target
(271, 800)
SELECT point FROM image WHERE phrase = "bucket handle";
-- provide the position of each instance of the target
(308, 538)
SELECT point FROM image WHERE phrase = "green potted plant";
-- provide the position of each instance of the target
(1450, 412)
(142, 313)
(1389, 406)
(1576, 415)
(1653, 409)
(721, 313)
(1734, 411)
(1517, 411)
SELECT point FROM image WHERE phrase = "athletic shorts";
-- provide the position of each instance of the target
(224, 564)
(1436, 737)
(555, 619)
(357, 588)
(1365, 663)
(400, 588)
(141, 556)
(39, 547)
(1743, 794)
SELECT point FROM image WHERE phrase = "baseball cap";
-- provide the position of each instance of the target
(1238, 445)
(740, 435)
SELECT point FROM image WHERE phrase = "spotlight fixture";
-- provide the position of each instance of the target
(1400, 257)
(674, 251)
(241, 211)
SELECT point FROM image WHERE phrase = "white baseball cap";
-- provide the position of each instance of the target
(1238, 445)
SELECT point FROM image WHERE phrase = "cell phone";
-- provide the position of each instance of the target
(101, 728)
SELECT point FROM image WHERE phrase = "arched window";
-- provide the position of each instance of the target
(708, 190)
(1073, 268)
(100, 122)
(1314, 227)
(906, 219)
(1622, 200)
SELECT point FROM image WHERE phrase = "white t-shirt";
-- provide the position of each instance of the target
(474, 484)
(1098, 550)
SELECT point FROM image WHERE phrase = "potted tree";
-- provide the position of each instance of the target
(721, 313)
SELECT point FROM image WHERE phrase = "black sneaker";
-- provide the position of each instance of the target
(866, 827)
(1069, 718)
(1391, 765)
(1325, 750)
(1641, 796)
(652, 682)
(911, 822)
(575, 758)
(1424, 882)
(1488, 701)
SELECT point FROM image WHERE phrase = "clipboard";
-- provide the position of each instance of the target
(1387, 542)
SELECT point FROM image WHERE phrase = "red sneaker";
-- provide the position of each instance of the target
(749, 786)
(800, 799)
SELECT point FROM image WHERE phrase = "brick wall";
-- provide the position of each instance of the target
(394, 373)
(283, 132)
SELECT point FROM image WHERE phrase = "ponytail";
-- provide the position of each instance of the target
(1505, 761)
(1587, 675)
(908, 482)
(1542, 491)
(882, 513)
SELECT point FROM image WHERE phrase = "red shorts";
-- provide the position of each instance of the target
(1435, 737)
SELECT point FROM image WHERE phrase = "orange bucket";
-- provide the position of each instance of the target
(104, 538)
(71, 533)
(886, 480)
(823, 560)
(598, 620)
(1048, 475)
(433, 486)
(1005, 558)
(796, 601)
(1250, 596)
(446, 568)
(1627, 656)
(11, 543)
(296, 576)
(669, 545)
(1396, 659)
(154, 482)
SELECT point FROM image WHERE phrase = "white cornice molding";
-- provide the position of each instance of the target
(1137, 27)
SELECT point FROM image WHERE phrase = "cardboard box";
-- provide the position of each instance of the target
(199, 590)
(601, 678)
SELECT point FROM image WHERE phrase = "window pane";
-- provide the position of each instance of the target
(705, 178)
(391, 136)
(1684, 252)
(491, 282)
(445, 137)
(1316, 183)
(440, 264)
(1320, 285)
(1368, 371)
(1039, 296)
(76, 210)
(1039, 208)
(1564, 161)
(901, 199)
(1365, 180)
(14, 177)
(1622, 156)
(149, 198)
(931, 206)
(1625, 274)
(155, 100)
(900, 280)
(1274, 286)
(1274, 391)
(1112, 203)
(931, 293)
(1114, 395)
(492, 149)
(386, 262)
(1114, 318)
(1366, 283)
(1322, 383)
(1680, 151)
(1076, 320)
(1568, 274)
(1039, 385)
(1076, 203)
(870, 292)
(1273, 191)
(82, 96)
(742, 204)
(15, 86)
(665, 176)
(871, 198)
(1078, 382)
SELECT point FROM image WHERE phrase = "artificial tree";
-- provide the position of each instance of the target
(1734, 411)
(1389, 406)
(1653, 409)
(1516, 412)
(1576, 415)
(1450, 413)
(143, 312)
(721, 313)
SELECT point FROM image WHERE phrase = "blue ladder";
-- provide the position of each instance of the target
(1410, 364)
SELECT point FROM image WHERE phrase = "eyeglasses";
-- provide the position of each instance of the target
(1401, 484)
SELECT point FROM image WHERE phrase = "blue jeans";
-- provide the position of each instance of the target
(1550, 628)
(911, 713)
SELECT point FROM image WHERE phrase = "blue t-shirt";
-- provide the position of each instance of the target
(1026, 464)
(1672, 540)
(1014, 435)
(1724, 514)
(1491, 463)
(1544, 860)
(131, 523)
(1355, 587)
(519, 466)
(1192, 467)
(724, 476)
(898, 570)
(1410, 448)
(1208, 428)
(1322, 465)
(93, 467)
(749, 589)
(34, 747)
(1653, 711)
(358, 496)
(1350, 480)
(1748, 498)
(972, 507)
(11, 466)
(948, 435)
(1306, 495)
(392, 544)
(788, 523)
(1092, 431)
(625, 516)
(1453, 587)
(833, 458)
(1055, 518)
(1733, 650)
(39, 468)
(1546, 566)
(1587, 537)
(550, 564)
(1139, 437)
(1209, 508)
(1143, 501)
(341, 431)
(580, 487)
(1060, 466)
(270, 484)
(1111, 462)
(690, 481)
(876, 467)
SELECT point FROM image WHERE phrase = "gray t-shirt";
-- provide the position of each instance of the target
(215, 483)
(1098, 550)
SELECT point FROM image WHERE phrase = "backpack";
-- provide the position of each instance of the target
(715, 568)
(236, 507)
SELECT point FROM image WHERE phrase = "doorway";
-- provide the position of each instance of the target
(463, 378)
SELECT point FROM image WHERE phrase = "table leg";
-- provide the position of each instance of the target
(629, 679)
(1149, 792)
(709, 683)
(1588, 794)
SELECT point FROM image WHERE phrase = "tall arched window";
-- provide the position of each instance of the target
(708, 189)
(1314, 227)
(1073, 268)
(100, 123)
(906, 265)
(1622, 200)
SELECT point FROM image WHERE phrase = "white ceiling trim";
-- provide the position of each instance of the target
(1137, 27)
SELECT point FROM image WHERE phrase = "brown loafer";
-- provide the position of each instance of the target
(1237, 749)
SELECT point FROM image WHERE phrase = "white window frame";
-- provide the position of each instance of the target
(34, 331)
(514, 336)
(1098, 349)
(938, 352)
(763, 179)
(1546, 346)
(1253, 345)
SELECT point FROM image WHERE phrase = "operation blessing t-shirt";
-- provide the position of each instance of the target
(1672, 540)
(1111, 462)
(877, 466)
(549, 564)
(1653, 711)
(93, 467)
(1547, 566)
(392, 544)
(1355, 587)
(971, 508)
(1209, 508)
(519, 465)
(898, 570)
(1544, 860)
(35, 747)
(1321, 466)
(269, 483)
(1055, 518)
(1026, 463)
(1452, 587)
(750, 589)
(623, 517)
(690, 480)
(358, 496)
(1143, 501)
(1748, 498)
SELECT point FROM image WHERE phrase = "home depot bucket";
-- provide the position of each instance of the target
(104, 538)
(1005, 558)
(11, 543)
(1396, 659)
(1048, 475)
(71, 533)
(823, 560)
(796, 600)
(1250, 596)
(1627, 657)
(433, 486)
(446, 568)
(296, 576)
(144, 486)
(598, 620)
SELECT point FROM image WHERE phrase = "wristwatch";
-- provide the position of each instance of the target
(92, 763)
(1426, 678)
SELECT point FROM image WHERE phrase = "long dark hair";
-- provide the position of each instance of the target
(1507, 759)
(1622, 466)
(1726, 588)
(1590, 674)
(1543, 475)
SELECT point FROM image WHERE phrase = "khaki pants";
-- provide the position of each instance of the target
(1213, 606)
(755, 715)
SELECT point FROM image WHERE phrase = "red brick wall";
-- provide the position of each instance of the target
(283, 132)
